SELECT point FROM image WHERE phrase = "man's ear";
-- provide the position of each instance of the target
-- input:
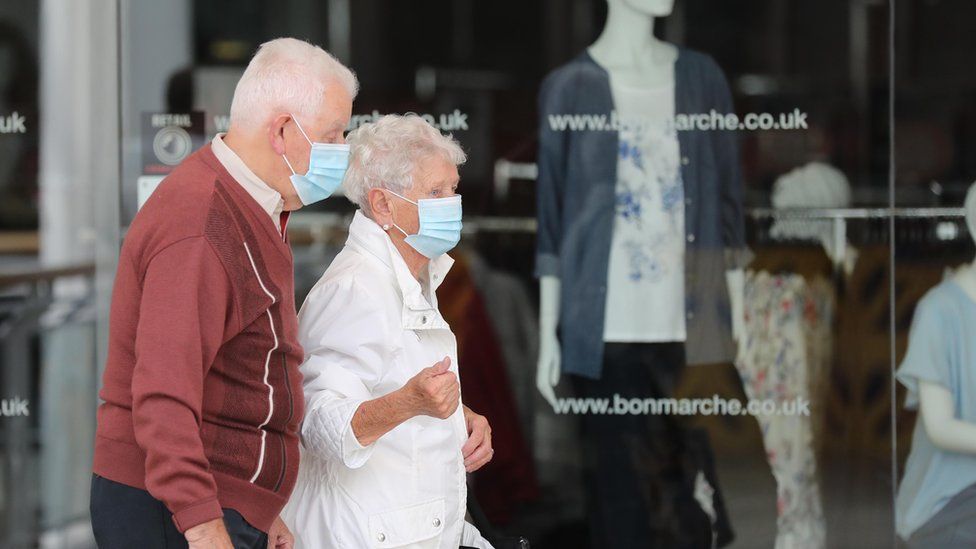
(276, 132)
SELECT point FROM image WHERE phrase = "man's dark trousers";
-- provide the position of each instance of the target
(124, 517)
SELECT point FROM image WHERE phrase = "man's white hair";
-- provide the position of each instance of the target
(287, 75)
(385, 154)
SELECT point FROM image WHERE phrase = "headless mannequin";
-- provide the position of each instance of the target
(936, 405)
(629, 51)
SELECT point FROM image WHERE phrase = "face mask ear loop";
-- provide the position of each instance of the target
(289, 165)
(402, 197)
(295, 120)
(408, 200)
(305, 135)
(401, 230)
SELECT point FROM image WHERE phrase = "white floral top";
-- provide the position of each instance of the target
(645, 282)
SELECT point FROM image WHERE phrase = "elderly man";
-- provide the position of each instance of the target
(386, 439)
(197, 441)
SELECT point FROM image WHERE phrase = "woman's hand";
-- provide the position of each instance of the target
(477, 451)
(434, 391)
(279, 536)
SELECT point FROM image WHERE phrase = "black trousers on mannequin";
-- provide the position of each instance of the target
(640, 470)
(953, 526)
(124, 517)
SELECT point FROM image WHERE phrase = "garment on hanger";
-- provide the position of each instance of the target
(553, 438)
(516, 325)
(577, 185)
(940, 350)
(510, 477)
(783, 353)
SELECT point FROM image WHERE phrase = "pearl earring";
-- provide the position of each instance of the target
(386, 227)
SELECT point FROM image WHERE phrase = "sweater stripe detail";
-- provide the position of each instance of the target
(267, 364)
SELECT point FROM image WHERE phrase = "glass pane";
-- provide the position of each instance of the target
(744, 147)
(58, 188)
(671, 298)
(934, 288)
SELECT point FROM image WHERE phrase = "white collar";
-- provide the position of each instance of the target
(418, 312)
(269, 199)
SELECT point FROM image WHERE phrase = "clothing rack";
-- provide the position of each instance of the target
(316, 228)
(321, 225)
(841, 218)
(324, 222)
(506, 171)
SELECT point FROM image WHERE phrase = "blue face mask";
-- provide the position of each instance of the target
(327, 165)
(440, 225)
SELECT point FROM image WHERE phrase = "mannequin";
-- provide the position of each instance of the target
(936, 504)
(627, 47)
(636, 226)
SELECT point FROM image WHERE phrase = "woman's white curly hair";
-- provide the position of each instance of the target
(385, 154)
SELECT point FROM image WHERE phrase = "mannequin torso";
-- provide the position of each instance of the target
(617, 252)
(935, 402)
(633, 57)
(631, 54)
(936, 405)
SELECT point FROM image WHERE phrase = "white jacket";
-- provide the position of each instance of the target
(367, 327)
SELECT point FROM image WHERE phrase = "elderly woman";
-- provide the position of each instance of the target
(386, 440)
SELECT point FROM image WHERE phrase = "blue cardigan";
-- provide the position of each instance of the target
(576, 202)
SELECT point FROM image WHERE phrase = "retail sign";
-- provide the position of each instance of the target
(167, 139)
(445, 122)
(14, 407)
(13, 123)
(221, 122)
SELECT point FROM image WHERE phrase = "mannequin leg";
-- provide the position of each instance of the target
(953, 526)
(639, 477)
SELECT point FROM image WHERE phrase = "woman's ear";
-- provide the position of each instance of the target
(381, 207)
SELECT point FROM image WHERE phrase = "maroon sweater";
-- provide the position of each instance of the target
(202, 393)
